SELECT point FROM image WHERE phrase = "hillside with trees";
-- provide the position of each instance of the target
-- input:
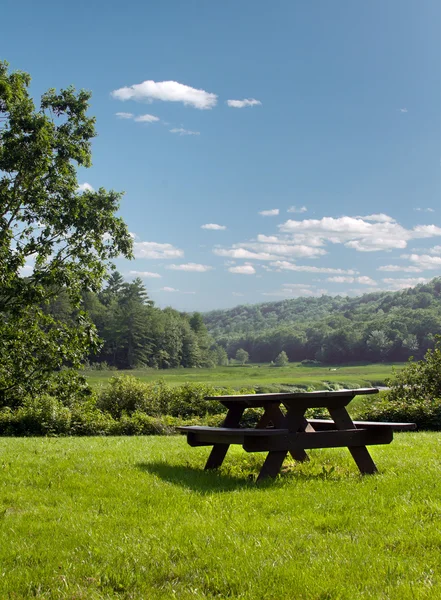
(380, 326)
(136, 333)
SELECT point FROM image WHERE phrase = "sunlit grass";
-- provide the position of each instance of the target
(90, 518)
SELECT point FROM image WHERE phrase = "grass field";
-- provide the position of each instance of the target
(254, 375)
(138, 518)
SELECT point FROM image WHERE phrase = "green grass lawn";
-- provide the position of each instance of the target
(252, 375)
(88, 518)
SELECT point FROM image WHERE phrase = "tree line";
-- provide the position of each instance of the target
(136, 333)
(381, 326)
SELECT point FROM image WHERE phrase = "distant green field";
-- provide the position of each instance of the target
(261, 375)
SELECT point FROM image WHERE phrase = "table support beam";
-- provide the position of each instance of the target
(360, 454)
(219, 451)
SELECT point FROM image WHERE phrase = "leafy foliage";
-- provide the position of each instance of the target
(53, 239)
(281, 359)
(414, 394)
(381, 326)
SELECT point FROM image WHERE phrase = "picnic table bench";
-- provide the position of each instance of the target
(281, 431)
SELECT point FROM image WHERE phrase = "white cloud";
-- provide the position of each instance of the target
(182, 131)
(190, 267)
(243, 270)
(400, 284)
(284, 265)
(213, 226)
(424, 261)
(168, 289)
(145, 274)
(364, 280)
(294, 209)
(146, 118)
(361, 233)
(244, 103)
(167, 91)
(398, 268)
(295, 290)
(341, 279)
(376, 244)
(85, 187)
(403, 110)
(430, 210)
(378, 218)
(289, 250)
(138, 118)
(435, 250)
(239, 294)
(243, 253)
(155, 250)
(269, 213)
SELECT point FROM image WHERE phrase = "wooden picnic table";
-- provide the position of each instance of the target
(284, 428)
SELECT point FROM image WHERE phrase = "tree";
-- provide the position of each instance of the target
(242, 356)
(53, 237)
(281, 359)
(379, 343)
(419, 380)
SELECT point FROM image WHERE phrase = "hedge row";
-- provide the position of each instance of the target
(128, 406)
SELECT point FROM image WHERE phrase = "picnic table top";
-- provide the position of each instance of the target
(284, 396)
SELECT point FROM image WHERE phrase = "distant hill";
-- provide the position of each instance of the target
(380, 326)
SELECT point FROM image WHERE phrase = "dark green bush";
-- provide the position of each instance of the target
(45, 415)
(426, 413)
(88, 419)
(126, 394)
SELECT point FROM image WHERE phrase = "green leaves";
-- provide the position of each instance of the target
(52, 238)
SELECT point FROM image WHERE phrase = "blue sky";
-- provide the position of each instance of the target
(334, 128)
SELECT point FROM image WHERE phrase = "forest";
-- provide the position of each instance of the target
(382, 326)
(375, 327)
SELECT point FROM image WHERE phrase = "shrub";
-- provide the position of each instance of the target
(42, 416)
(425, 413)
(126, 394)
(414, 394)
(87, 419)
(310, 362)
(281, 359)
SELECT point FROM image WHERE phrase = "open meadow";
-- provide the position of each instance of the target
(237, 376)
(138, 518)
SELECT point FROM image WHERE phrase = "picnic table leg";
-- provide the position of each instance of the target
(359, 453)
(294, 420)
(274, 415)
(219, 451)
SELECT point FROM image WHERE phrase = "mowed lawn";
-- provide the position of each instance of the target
(88, 518)
(253, 375)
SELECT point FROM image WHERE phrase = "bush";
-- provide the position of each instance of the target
(43, 416)
(425, 413)
(414, 394)
(310, 362)
(124, 394)
(87, 419)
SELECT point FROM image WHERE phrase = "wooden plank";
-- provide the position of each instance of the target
(359, 453)
(277, 396)
(272, 465)
(318, 439)
(219, 451)
(232, 430)
(322, 424)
